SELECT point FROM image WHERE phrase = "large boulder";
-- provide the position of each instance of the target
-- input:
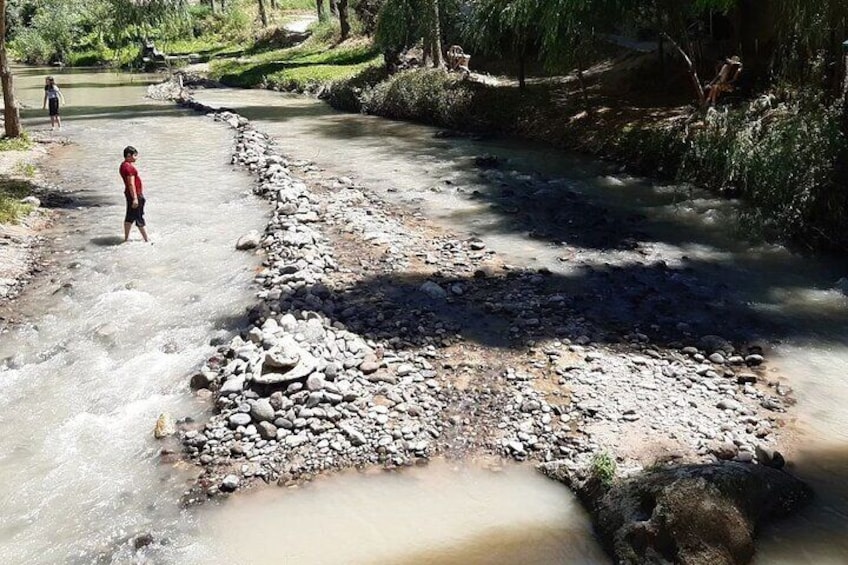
(692, 514)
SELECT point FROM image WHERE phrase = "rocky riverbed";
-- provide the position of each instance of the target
(22, 243)
(382, 339)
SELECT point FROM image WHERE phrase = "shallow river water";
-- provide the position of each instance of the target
(798, 311)
(107, 339)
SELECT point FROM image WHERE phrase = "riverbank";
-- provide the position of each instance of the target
(746, 148)
(403, 342)
(22, 217)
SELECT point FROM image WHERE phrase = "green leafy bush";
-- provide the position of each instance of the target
(430, 96)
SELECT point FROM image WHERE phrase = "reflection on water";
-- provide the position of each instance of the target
(443, 514)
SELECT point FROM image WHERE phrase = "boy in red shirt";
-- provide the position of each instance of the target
(134, 193)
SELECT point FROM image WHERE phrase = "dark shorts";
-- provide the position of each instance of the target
(53, 105)
(135, 215)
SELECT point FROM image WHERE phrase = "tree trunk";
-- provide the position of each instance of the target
(322, 14)
(344, 18)
(263, 16)
(334, 8)
(693, 72)
(10, 107)
(273, 4)
(522, 71)
(434, 32)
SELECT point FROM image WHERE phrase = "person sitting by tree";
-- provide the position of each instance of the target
(725, 79)
(458, 60)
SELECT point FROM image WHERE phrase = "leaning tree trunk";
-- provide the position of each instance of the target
(321, 13)
(10, 107)
(434, 32)
(334, 8)
(693, 72)
(344, 18)
(263, 15)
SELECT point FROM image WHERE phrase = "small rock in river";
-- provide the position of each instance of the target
(165, 426)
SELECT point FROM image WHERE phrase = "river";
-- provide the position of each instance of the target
(107, 339)
(105, 343)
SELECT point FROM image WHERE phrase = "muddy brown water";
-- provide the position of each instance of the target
(109, 335)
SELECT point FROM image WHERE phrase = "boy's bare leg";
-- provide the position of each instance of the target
(143, 233)
(127, 226)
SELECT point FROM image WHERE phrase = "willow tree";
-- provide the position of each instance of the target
(399, 26)
(506, 28)
(10, 106)
(808, 29)
(403, 23)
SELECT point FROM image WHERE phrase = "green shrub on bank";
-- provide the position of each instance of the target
(21, 143)
(430, 96)
(11, 193)
(780, 156)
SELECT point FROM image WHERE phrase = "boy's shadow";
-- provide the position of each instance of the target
(107, 241)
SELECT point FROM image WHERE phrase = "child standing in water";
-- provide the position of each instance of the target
(52, 95)
(134, 194)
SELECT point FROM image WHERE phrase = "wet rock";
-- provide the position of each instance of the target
(250, 240)
(165, 426)
(695, 514)
(230, 483)
(715, 344)
(201, 380)
(769, 457)
(142, 540)
(754, 360)
(746, 378)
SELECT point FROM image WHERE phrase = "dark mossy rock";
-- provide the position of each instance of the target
(692, 514)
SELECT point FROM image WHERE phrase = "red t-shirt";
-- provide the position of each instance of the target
(128, 170)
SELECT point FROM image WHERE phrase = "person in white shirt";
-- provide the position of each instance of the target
(52, 96)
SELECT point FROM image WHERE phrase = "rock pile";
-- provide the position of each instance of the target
(350, 361)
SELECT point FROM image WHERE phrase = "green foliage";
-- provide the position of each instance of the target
(781, 156)
(603, 468)
(11, 193)
(301, 68)
(430, 96)
(23, 169)
(399, 25)
(21, 143)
